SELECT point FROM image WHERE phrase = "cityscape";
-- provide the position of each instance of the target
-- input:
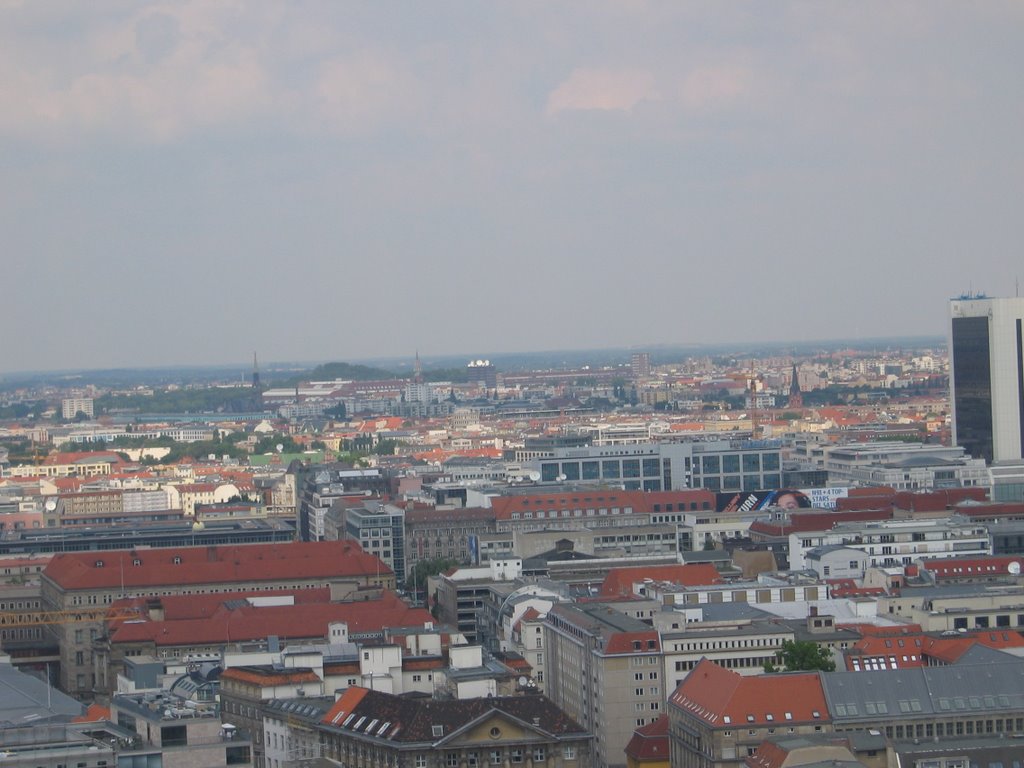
(606, 385)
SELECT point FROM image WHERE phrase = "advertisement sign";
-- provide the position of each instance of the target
(784, 498)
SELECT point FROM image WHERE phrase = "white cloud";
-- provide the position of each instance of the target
(603, 89)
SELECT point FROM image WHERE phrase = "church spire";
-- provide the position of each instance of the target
(796, 397)
(417, 369)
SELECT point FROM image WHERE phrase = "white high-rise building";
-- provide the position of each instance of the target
(986, 377)
(72, 406)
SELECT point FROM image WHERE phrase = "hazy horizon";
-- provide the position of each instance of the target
(398, 363)
(184, 182)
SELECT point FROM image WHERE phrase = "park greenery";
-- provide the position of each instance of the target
(802, 655)
(424, 569)
(198, 400)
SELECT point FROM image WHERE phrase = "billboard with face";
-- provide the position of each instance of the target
(784, 498)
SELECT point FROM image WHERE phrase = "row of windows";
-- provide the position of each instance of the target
(34, 633)
(554, 513)
(712, 645)
(18, 605)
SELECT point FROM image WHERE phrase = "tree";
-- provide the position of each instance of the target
(802, 655)
(336, 412)
(424, 569)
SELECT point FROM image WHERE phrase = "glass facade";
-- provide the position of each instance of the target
(754, 468)
(972, 381)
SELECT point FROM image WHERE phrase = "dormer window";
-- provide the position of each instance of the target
(99, 563)
(437, 731)
(177, 560)
(136, 561)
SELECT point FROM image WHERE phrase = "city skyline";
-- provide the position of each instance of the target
(186, 181)
(403, 366)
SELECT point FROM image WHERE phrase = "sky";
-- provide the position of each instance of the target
(187, 182)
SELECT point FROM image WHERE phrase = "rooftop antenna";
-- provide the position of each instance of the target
(255, 372)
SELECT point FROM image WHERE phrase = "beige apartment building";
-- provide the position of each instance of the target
(604, 669)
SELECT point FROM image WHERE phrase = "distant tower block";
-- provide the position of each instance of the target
(255, 372)
(641, 364)
(483, 372)
(796, 397)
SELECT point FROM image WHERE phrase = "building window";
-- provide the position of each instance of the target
(539, 754)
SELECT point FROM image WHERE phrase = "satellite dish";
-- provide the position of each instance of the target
(523, 680)
(51, 504)
(535, 476)
(561, 478)
(280, 447)
(212, 457)
(1014, 568)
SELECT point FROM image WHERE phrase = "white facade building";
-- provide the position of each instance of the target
(896, 542)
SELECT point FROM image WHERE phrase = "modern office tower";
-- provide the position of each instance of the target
(987, 377)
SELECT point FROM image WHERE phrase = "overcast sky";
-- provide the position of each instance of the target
(187, 182)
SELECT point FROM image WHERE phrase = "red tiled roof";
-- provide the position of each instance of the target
(213, 565)
(993, 510)
(727, 699)
(650, 742)
(800, 522)
(248, 622)
(620, 581)
(530, 614)
(270, 677)
(949, 649)
(768, 755)
(626, 642)
(345, 704)
(83, 457)
(94, 714)
(179, 607)
(966, 567)
(416, 663)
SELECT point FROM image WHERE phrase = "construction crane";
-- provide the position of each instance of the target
(76, 616)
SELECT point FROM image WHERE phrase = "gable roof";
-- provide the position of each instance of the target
(365, 713)
(725, 698)
(649, 743)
